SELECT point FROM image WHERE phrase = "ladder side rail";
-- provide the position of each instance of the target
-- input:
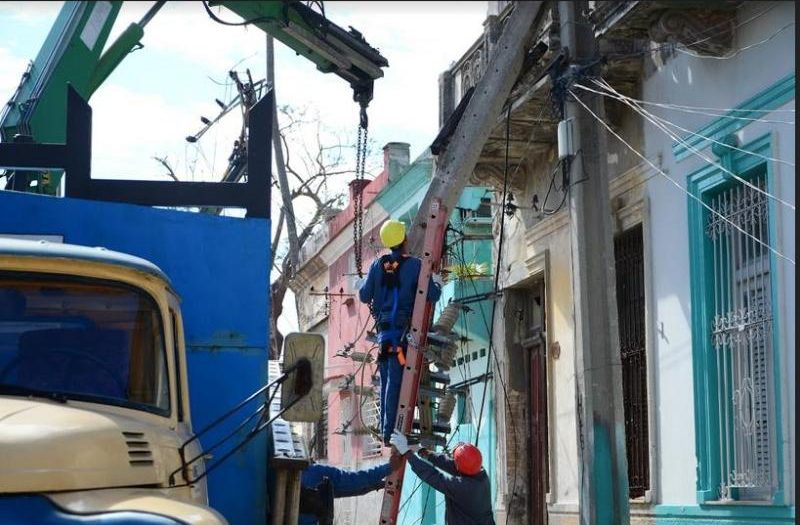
(436, 223)
(454, 165)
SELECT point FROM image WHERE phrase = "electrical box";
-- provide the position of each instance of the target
(566, 144)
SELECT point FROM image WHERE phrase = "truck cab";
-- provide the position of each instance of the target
(94, 404)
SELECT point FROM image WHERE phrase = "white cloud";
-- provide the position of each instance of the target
(185, 31)
(29, 12)
(129, 127)
(13, 67)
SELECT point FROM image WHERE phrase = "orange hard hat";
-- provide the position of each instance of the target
(467, 458)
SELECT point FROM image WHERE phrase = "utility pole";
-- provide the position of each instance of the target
(602, 462)
(286, 195)
(456, 163)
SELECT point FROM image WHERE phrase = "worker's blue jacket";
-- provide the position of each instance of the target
(467, 499)
(377, 291)
(346, 483)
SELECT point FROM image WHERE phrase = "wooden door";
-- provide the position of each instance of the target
(535, 349)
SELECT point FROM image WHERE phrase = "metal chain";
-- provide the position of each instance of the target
(358, 198)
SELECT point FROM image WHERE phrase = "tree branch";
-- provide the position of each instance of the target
(164, 161)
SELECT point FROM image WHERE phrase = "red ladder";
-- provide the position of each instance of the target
(435, 228)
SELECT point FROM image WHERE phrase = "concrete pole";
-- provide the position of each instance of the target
(279, 497)
(602, 462)
(293, 497)
(456, 163)
(283, 181)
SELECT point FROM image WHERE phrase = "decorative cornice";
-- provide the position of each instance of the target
(690, 29)
(547, 226)
(311, 269)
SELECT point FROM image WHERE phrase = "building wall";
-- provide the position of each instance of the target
(640, 194)
(712, 83)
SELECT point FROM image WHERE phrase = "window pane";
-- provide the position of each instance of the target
(85, 339)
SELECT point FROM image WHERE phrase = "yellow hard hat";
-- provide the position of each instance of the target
(392, 233)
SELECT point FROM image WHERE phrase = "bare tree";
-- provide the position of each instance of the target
(318, 163)
(164, 161)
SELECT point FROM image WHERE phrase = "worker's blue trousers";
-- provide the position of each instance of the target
(391, 378)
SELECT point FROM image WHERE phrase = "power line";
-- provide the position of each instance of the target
(671, 45)
(677, 185)
(721, 110)
(699, 111)
(497, 267)
(672, 124)
(701, 155)
(739, 50)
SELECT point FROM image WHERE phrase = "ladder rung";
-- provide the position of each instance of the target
(431, 392)
(440, 377)
(439, 426)
(437, 339)
(431, 441)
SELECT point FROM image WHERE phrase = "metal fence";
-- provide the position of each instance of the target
(371, 412)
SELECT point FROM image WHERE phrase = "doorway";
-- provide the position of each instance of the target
(534, 348)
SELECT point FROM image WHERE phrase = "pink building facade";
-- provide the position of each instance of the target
(328, 304)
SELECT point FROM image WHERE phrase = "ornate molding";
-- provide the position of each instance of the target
(491, 175)
(310, 270)
(690, 29)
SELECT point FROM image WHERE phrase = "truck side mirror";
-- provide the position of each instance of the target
(304, 353)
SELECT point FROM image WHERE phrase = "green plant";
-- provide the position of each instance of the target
(468, 270)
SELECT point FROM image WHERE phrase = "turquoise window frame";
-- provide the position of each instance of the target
(699, 184)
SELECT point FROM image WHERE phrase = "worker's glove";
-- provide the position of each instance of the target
(359, 282)
(437, 279)
(400, 442)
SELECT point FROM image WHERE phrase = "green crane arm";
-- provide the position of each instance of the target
(73, 53)
(331, 48)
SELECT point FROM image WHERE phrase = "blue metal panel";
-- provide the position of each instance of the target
(220, 268)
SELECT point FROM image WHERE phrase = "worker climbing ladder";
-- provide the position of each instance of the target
(454, 165)
(436, 223)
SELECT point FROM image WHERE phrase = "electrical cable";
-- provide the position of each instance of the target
(218, 20)
(698, 153)
(681, 188)
(497, 267)
(643, 112)
(671, 45)
(490, 327)
(720, 111)
(737, 51)
(700, 111)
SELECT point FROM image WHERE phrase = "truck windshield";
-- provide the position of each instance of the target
(82, 339)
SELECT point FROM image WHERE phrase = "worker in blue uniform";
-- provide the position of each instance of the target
(390, 290)
(319, 484)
